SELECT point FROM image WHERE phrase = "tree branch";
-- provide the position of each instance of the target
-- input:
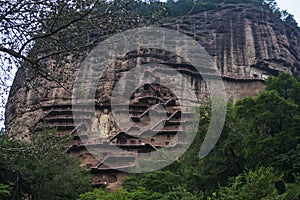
(58, 29)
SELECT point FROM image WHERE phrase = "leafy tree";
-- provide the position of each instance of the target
(137, 194)
(294, 93)
(259, 184)
(289, 162)
(179, 194)
(7, 175)
(270, 122)
(268, 113)
(274, 113)
(41, 170)
(283, 83)
(100, 194)
(5, 191)
(161, 181)
(292, 193)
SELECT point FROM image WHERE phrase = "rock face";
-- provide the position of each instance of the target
(247, 44)
(243, 39)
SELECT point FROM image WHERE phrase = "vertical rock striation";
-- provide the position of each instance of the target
(247, 43)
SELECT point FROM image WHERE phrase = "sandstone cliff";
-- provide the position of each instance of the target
(245, 41)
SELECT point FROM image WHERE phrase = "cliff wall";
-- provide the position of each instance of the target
(245, 41)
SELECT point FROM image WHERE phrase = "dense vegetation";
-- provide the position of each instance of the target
(40, 170)
(257, 156)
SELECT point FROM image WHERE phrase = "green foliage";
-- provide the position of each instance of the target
(258, 184)
(268, 113)
(163, 182)
(283, 83)
(5, 191)
(41, 170)
(160, 181)
(137, 194)
(292, 193)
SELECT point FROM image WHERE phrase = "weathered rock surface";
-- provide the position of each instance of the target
(244, 41)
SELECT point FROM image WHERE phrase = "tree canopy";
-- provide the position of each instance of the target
(40, 170)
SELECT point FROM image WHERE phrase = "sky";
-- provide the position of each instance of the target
(292, 6)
